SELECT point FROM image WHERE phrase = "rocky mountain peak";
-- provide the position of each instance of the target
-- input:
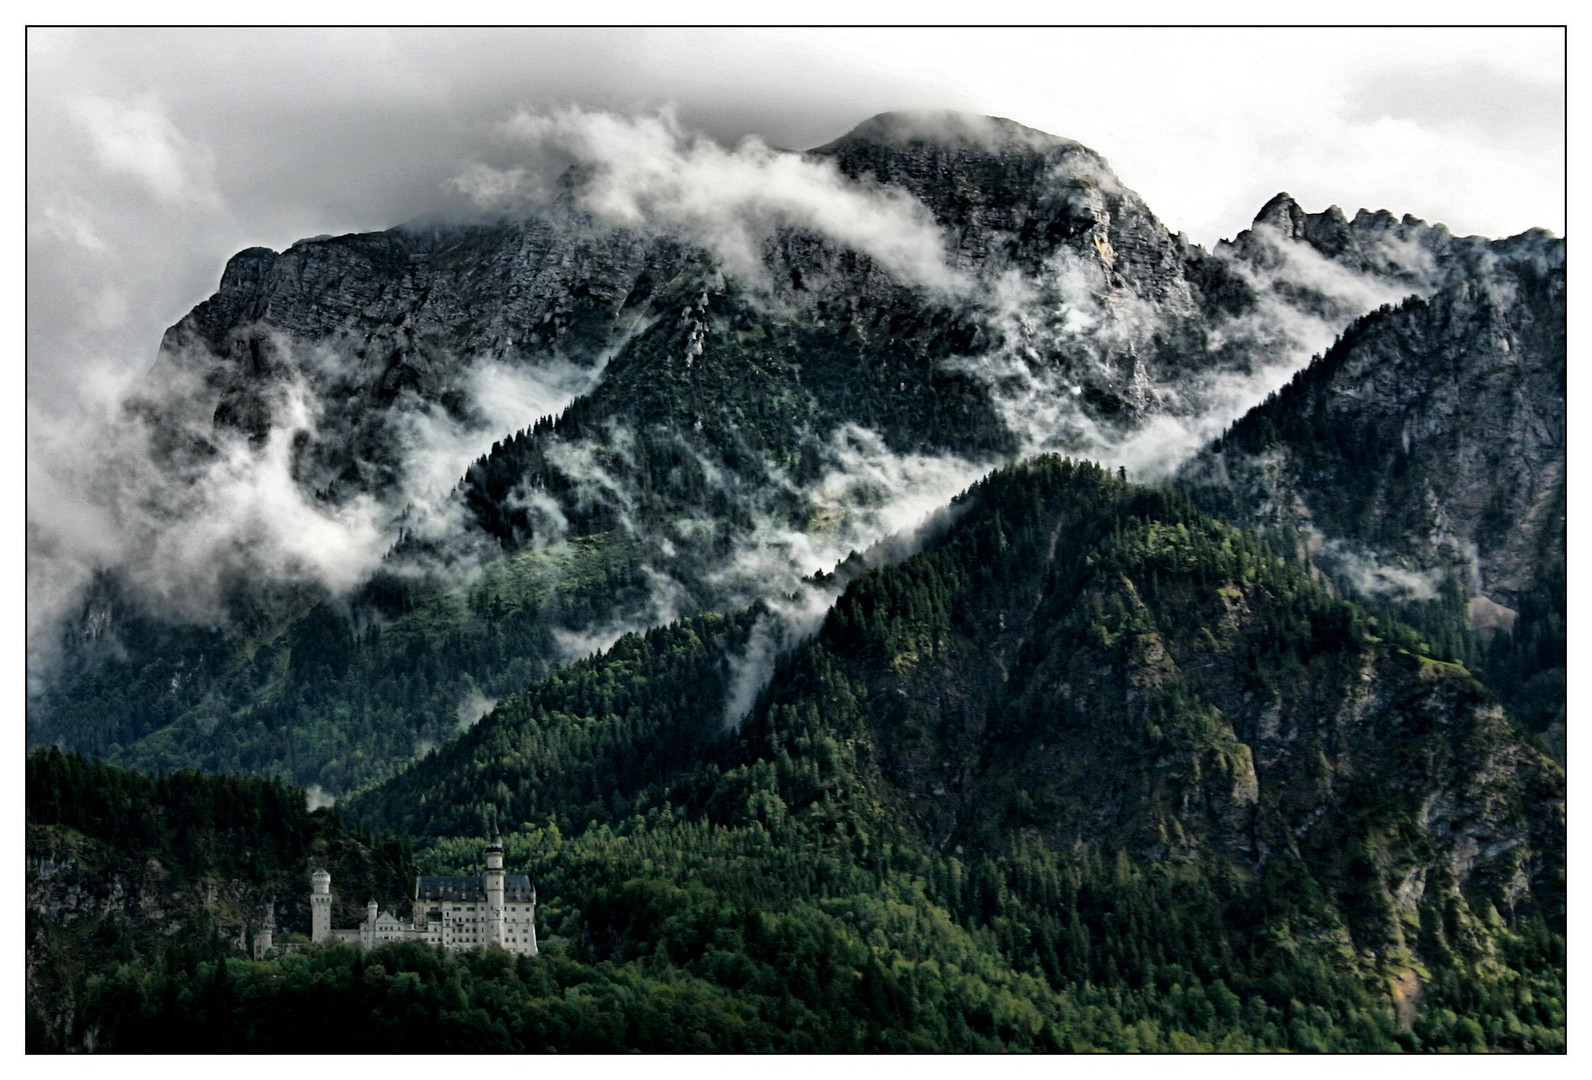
(1281, 211)
(1406, 252)
(247, 269)
(950, 130)
(1328, 231)
(904, 147)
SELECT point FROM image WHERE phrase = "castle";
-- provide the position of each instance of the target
(471, 912)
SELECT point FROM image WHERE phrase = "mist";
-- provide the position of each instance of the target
(111, 498)
(1368, 575)
(474, 706)
(1069, 328)
(648, 173)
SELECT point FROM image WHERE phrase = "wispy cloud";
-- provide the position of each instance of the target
(474, 706)
(180, 530)
(1072, 331)
(137, 139)
(1366, 573)
(648, 173)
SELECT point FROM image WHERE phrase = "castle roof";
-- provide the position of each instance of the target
(471, 888)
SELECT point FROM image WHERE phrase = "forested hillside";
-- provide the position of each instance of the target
(1260, 822)
(931, 832)
(136, 876)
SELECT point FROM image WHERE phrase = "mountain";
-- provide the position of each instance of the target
(691, 433)
(1078, 659)
(747, 566)
(1090, 771)
(1420, 462)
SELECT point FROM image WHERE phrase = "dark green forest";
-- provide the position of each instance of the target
(930, 833)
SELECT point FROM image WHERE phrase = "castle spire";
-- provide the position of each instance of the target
(492, 880)
(320, 906)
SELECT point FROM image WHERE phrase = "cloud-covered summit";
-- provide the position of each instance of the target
(648, 173)
(1032, 276)
(949, 128)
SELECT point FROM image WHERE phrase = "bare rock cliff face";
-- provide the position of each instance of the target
(1430, 438)
(1074, 288)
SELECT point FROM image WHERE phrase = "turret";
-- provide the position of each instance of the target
(263, 936)
(367, 929)
(320, 907)
(493, 880)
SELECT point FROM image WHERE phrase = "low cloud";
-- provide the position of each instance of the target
(647, 173)
(130, 495)
(102, 500)
(474, 706)
(869, 500)
(787, 622)
(1071, 331)
(667, 601)
(1367, 574)
(866, 494)
(438, 447)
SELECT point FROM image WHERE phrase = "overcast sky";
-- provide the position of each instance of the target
(155, 154)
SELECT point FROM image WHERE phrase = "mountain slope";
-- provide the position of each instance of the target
(1078, 658)
(558, 428)
(1083, 681)
(1099, 664)
(1421, 461)
(130, 872)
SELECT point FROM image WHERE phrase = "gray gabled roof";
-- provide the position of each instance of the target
(470, 888)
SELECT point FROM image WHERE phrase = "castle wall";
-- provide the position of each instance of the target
(470, 925)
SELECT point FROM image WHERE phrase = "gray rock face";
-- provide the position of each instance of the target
(1404, 249)
(1430, 438)
(1011, 197)
(368, 322)
(1076, 289)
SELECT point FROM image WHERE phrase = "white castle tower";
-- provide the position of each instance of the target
(492, 881)
(263, 936)
(320, 907)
